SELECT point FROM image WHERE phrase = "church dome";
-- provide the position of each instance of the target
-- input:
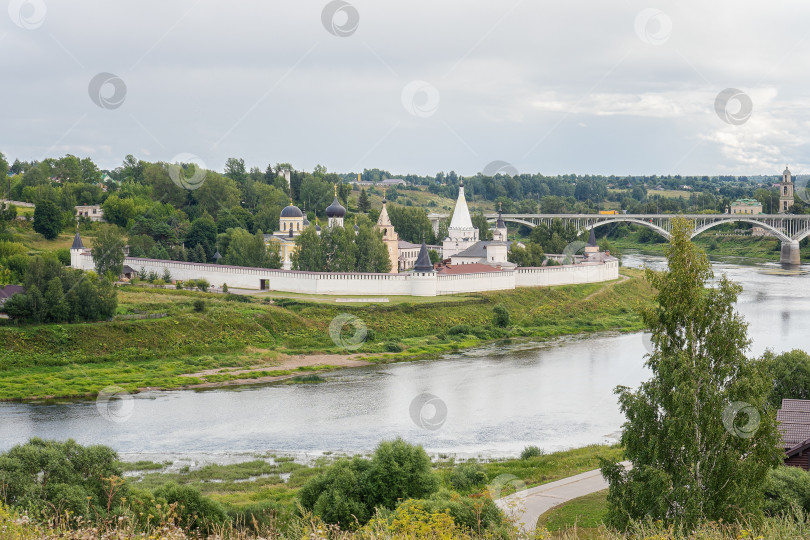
(291, 211)
(335, 209)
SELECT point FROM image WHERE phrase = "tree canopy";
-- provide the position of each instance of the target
(698, 433)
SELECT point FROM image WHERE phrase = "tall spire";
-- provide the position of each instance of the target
(384, 220)
(592, 239)
(77, 240)
(423, 263)
(461, 214)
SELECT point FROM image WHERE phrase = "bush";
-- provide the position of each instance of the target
(532, 451)
(500, 317)
(460, 330)
(202, 284)
(467, 477)
(178, 285)
(191, 284)
(393, 346)
(465, 511)
(787, 489)
(194, 511)
(350, 490)
(78, 477)
(238, 298)
(199, 305)
(225, 287)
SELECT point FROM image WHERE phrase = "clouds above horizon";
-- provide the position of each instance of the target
(583, 86)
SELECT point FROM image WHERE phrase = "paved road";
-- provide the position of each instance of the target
(529, 504)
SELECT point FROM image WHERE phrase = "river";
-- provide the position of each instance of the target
(488, 402)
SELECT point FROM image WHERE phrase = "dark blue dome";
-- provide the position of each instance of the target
(335, 209)
(291, 211)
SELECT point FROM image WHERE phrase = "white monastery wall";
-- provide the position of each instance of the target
(416, 284)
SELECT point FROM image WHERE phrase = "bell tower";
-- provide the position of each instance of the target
(785, 192)
(389, 236)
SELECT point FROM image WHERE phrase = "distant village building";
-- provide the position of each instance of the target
(385, 182)
(8, 291)
(92, 212)
(746, 206)
(785, 192)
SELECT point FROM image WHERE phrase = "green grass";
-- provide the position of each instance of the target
(539, 470)
(585, 514)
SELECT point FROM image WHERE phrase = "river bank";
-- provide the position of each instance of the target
(248, 340)
(722, 246)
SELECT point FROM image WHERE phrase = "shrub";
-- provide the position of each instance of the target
(238, 298)
(178, 285)
(787, 489)
(224, 287)
(460, 329)
(371, 335)
(393, 346)
(532, 451)
(194, 511)
(202, 284)
(78, 477)
(467, 477)
(348, 492)
(199, 305)
(500, 317)
(465, 511)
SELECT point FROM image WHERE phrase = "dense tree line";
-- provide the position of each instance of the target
(339, 249)
(56, 294)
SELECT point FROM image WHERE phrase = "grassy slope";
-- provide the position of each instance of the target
(585, 514)
(82, 359)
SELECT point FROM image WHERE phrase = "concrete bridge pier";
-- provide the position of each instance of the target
(790, 252)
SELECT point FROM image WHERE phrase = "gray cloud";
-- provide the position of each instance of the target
(548, 87)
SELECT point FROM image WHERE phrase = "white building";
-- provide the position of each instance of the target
(92, 212)
(461, 234)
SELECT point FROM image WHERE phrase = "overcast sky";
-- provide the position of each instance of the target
(621, 87)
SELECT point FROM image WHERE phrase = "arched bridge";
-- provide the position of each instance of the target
(788, 228)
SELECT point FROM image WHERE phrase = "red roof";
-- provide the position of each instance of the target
(472, 268)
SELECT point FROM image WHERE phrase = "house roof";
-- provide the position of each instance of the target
(472, 268)
(794, 424)
(10, 290)
(479, 249)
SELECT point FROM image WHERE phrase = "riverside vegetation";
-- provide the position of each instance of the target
(53, 489)
(71, 360)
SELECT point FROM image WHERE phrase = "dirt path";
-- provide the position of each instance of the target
(328, 361)
(607, 287)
